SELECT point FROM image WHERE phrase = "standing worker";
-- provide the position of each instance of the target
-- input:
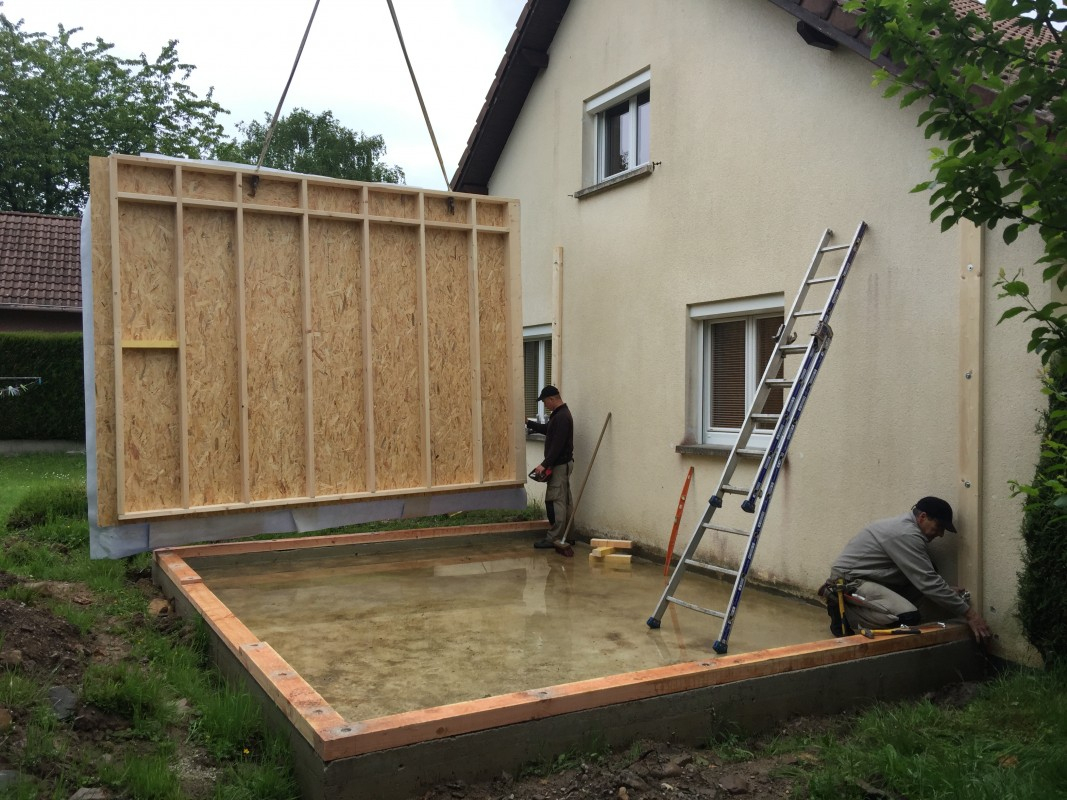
(559, 456)
(887, 566)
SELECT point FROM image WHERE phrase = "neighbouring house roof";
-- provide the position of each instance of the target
(40, 262)
(821, 23)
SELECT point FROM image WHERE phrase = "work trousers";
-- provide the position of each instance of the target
(872, 605)
(558, 499)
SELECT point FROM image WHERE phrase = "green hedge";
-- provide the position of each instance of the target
(56, 408)
(1042, 600)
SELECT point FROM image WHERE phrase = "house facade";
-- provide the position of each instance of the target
(676, 164)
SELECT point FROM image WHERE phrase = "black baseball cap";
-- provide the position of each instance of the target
(938, 509)
(548, 391)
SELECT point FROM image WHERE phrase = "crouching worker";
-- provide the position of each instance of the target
(887, 567)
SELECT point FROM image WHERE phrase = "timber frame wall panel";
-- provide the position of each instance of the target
(303, 341)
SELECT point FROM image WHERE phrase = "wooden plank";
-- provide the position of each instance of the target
(183, 377)
(617, 544)
(474, 319)
(334, 540)
(422, 313)
(440, 722)
(617, 560)
(305, 708)
(310, 482)
(557, 319)
(116, 337)
(368, 363)
(242, 345)
(148, 344)
(971, 390)
(601, 551)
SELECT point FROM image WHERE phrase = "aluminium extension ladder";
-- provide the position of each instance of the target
(758, 495)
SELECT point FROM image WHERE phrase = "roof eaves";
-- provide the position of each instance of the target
(524, 58)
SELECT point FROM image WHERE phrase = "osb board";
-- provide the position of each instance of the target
(336, 252)
(396, 363)
(302, 341)
(211, 350)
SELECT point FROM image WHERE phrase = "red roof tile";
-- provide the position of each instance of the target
(40, 261)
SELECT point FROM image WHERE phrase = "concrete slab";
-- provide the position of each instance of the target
(392, 657)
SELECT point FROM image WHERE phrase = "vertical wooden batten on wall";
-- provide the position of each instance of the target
(971, 380)
(213, 371)
(557, 320)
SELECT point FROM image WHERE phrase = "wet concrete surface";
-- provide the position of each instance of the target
(379, 629)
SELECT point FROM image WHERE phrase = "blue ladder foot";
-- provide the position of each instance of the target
(652, 623)
(719, 647)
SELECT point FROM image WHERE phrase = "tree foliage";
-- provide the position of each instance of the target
(61, 103)
(993, 84)
(312, 144)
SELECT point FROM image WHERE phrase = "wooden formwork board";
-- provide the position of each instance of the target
(314, 340)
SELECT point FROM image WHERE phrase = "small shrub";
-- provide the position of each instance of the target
(47, 504)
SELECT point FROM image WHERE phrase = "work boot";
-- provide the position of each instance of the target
(544, 544)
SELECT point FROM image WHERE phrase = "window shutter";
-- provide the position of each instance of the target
(728, 374)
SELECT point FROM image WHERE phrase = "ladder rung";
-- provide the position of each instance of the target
(808, 313)
(793, 348)
(735, 489)
(822, 280)
(783, 382)
(712, 568)
(751, 452)
(724, 529)
(832, 247)
(766, 417)
(701, 609)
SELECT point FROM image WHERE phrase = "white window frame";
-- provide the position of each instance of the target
(748, 309)
(542, 334)
(595, 110)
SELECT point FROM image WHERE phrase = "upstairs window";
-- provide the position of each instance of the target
(619, 120)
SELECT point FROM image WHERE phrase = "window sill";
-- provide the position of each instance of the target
(713, 450)
(623, 177)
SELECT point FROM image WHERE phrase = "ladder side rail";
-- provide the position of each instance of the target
(749, 503)
(846, 266)
(800, 381)
(798, 298)
(721, 643)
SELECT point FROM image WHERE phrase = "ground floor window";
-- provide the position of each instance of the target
(536, 367)
(733, 343)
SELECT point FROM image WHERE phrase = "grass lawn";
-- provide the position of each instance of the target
(150, 718)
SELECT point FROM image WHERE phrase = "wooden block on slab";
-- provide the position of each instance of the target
(617, 560)
(618, 544)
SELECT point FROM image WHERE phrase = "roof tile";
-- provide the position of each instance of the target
(40, 261)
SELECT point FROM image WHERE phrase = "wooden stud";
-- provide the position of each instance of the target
(368, 344)
(617, 544)
(116, 318)
(242, 339)
(183, 377)
(424, 344)
(475, 352)
(305, 310)
(971, 390)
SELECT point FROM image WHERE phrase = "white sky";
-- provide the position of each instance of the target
(352, 63)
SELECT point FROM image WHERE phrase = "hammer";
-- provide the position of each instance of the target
(870, 634)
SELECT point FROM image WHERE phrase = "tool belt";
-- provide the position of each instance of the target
(834, 592)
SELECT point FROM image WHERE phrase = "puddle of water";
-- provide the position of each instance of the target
(378, 629)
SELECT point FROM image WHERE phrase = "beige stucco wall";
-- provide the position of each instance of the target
(761, 142)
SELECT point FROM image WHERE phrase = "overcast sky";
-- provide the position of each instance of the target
(352, 63)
